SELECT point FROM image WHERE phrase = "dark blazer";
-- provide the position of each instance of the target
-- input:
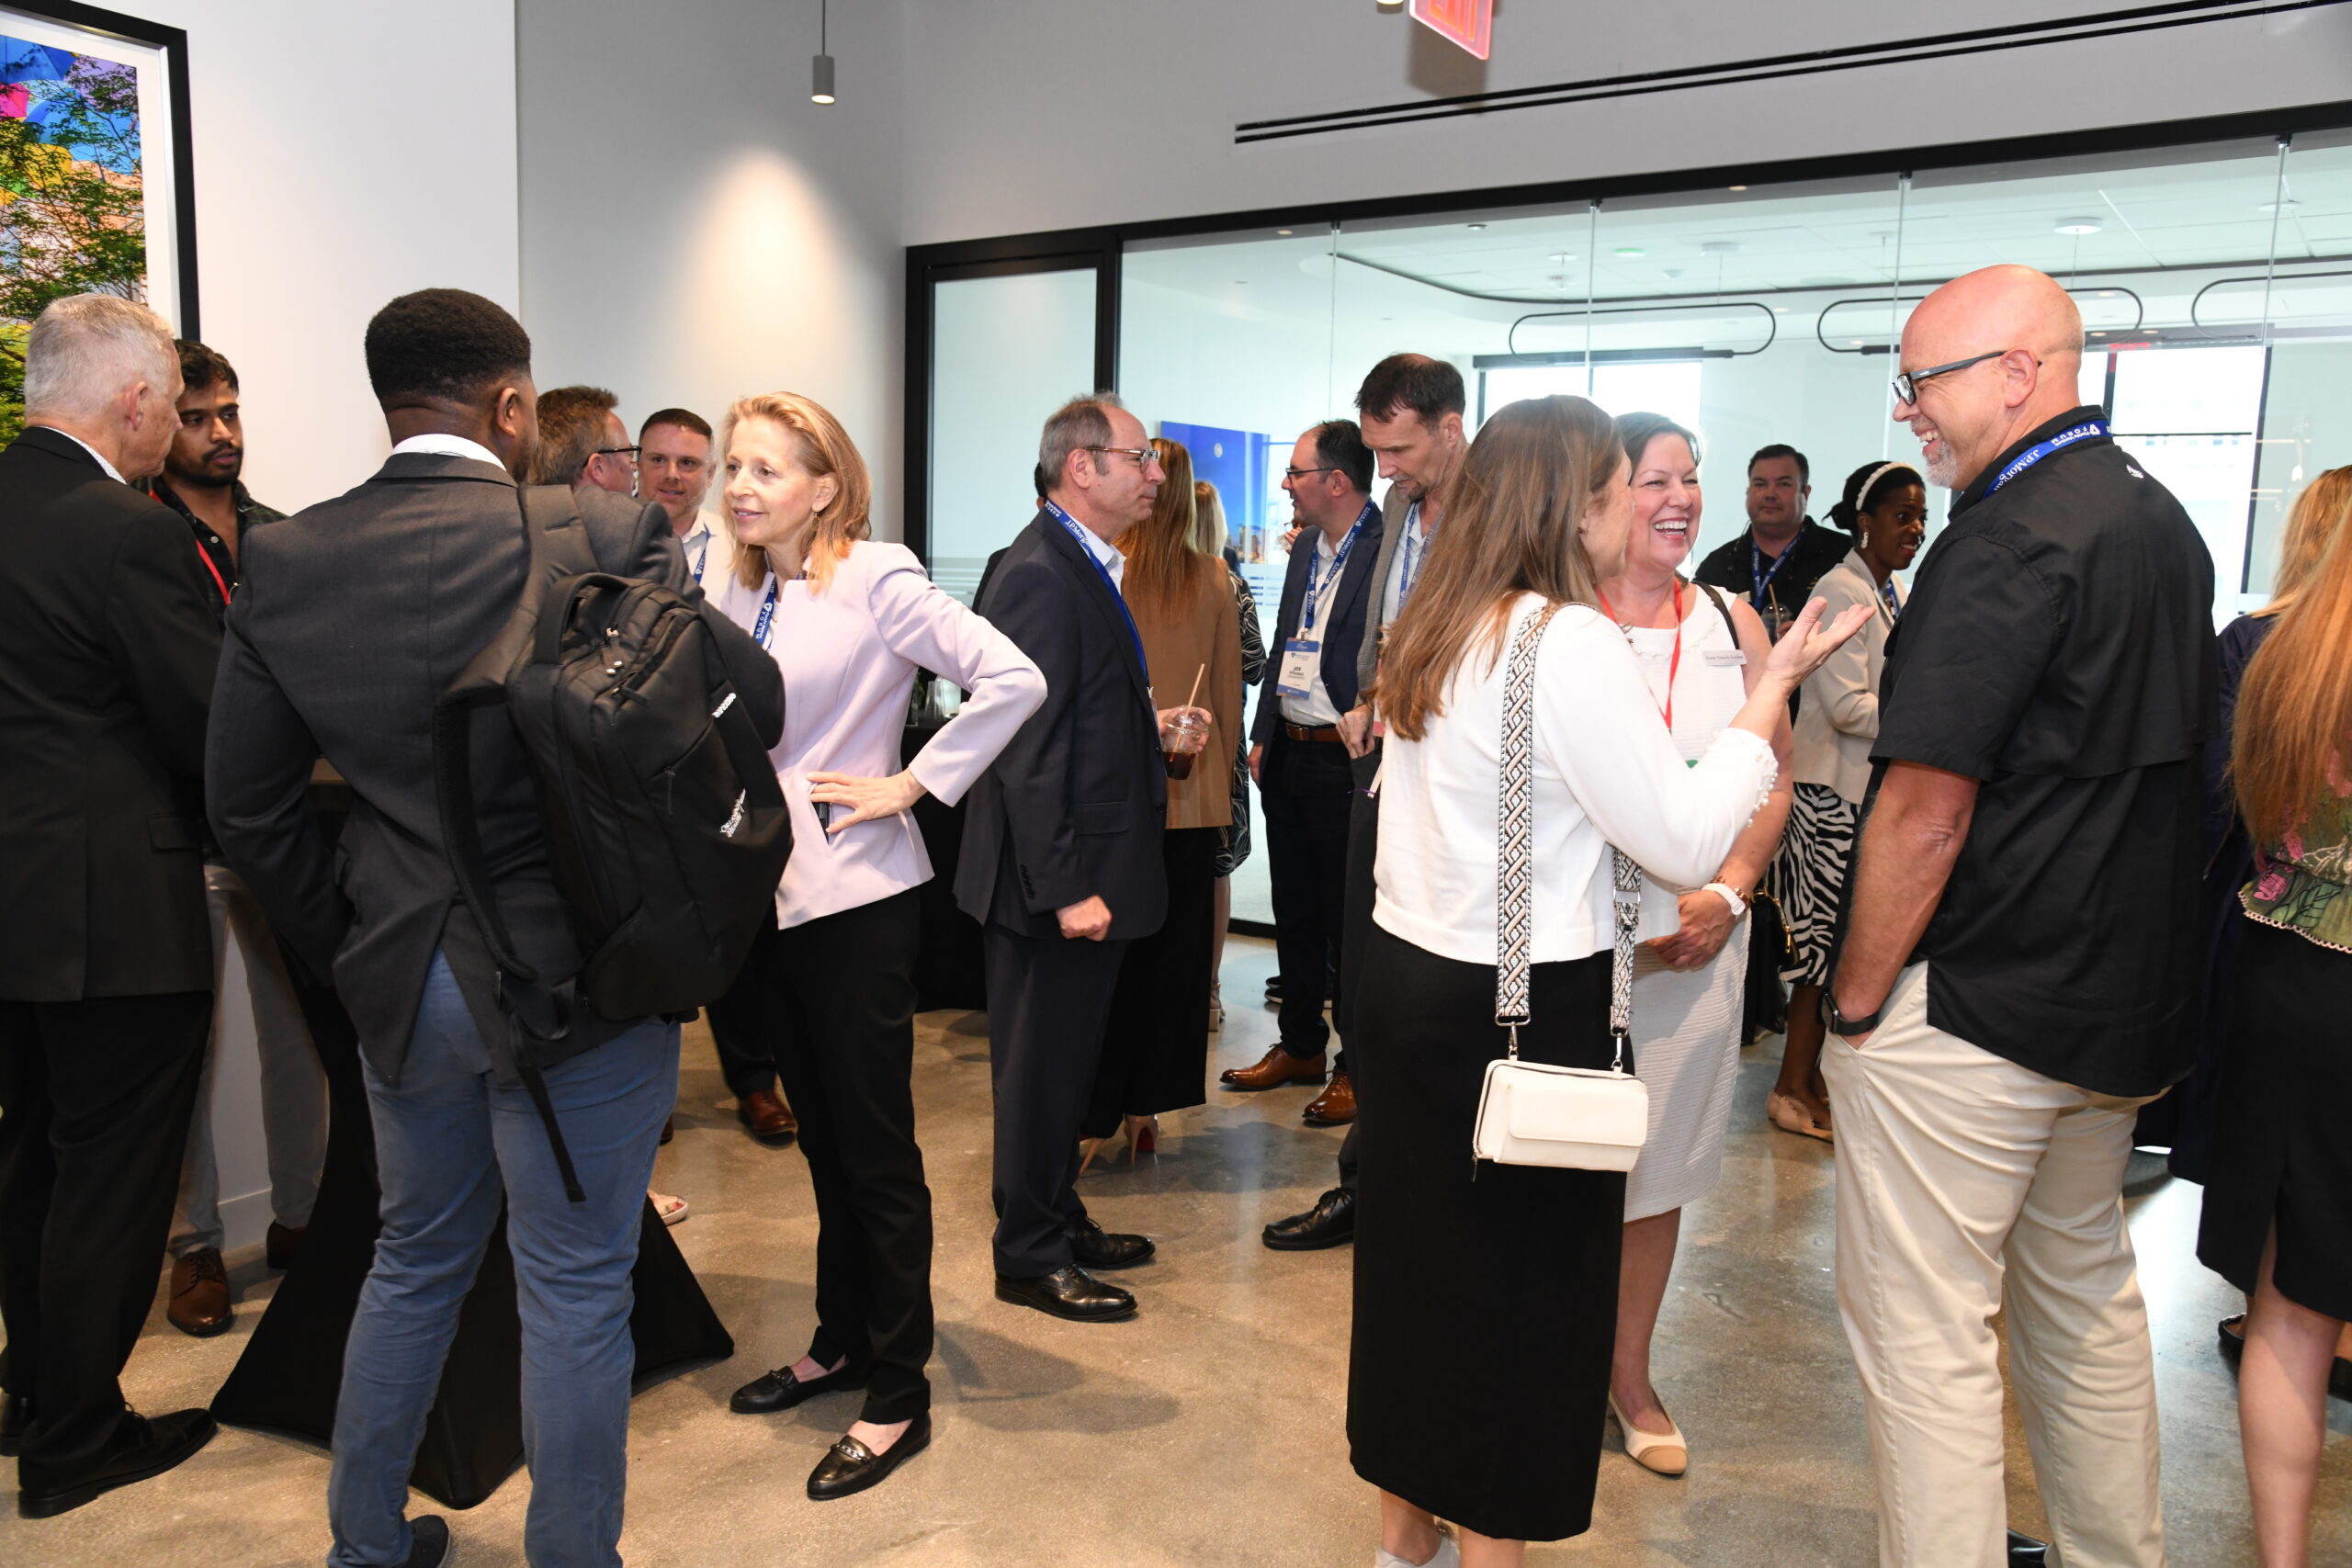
(352, 617)
(1076, 804)
(1353, 609)
(110, 630)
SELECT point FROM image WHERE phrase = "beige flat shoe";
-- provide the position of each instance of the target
(1783, 1112)
(1448, 1555)
(1662, 1453)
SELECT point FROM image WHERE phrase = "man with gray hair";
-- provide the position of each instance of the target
(107, 646)
(1061, 861)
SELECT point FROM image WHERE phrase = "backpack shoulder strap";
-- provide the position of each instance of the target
(1723, 607)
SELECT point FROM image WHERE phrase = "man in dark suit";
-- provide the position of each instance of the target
(353, 617)
(107, 649)
(1296, 753)
(1061, 859)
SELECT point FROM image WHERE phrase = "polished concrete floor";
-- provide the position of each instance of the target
(1209, 1430)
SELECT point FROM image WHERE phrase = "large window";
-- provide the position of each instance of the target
(2215, 282)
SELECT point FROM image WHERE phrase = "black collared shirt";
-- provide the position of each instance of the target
(2058, 648)
(1815, 550)
(218, 564)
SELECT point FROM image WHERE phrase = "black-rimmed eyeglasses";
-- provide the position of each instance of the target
(1296, 474)
(1906, 382)
(628, 452)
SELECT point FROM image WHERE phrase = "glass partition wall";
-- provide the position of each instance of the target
(2215, 282)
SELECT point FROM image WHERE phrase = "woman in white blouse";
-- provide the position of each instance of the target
(831, 988)
(1485, 1294)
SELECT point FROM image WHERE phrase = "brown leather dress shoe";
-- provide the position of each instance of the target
(1277, 1067)
(199, 1304)
(767, 1117)
(1335, 1107)
(282, 1245)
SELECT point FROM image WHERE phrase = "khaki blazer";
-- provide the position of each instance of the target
(1837, 714)
(1208, 632)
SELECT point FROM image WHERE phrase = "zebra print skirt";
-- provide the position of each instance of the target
(1809, 877)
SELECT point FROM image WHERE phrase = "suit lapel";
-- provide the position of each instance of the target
(1099, 593)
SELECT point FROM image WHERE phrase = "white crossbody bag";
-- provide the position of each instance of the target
(1532, 1113)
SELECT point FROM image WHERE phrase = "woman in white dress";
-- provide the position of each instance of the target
(1701, 653)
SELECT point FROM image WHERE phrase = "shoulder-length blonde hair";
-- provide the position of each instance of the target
(2312, 523)
(1209, 535)
(1164, 566)
(826, 452)
(1509, 527)
(2293, 728)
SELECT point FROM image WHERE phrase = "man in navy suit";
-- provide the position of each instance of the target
(1296, 753)
(1061, 859)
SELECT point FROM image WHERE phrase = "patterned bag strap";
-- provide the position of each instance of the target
(1515, 844)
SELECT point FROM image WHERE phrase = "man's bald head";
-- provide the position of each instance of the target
(2030, 335)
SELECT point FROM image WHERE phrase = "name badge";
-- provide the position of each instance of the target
(1726, 656)
(1297, 672)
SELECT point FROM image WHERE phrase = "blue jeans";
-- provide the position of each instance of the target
(451, 1145)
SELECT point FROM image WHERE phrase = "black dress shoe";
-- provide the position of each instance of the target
(163, 1442)
(2026, 1553)
(1331, 1221)
(1095, 1248)
(428, 1542)
(1069, 1291)
(850, 1466)
(779, 1389)
(16, 1420)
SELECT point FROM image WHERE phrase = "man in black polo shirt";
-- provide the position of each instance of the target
(2019, 969)
(1784, 552)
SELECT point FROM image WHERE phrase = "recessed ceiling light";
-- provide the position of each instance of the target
(1630, 252)
(2079, 226)
(1780, 310)
(1473, 225)
(1739, 187)
(2106, 293)
(1285, 231)
(1562, 256)
(1719, 248)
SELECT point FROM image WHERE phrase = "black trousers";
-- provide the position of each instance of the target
(1048, 999)
(1305, 785)
(746, 1052)
(1355, 926)
(832, 1000)
(95, 1101)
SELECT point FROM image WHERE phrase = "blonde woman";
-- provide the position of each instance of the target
(831, 989)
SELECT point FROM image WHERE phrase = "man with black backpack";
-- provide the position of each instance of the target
(509, 1029)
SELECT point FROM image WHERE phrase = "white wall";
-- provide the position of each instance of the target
(341, 158)
(696, 229)
(1060, 113)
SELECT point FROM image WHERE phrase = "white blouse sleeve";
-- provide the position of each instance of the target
(921, 624)
(1597, 723)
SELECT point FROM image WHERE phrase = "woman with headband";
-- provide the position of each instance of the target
(1885, 508)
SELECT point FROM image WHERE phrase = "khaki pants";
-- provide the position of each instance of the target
(1966, 1182)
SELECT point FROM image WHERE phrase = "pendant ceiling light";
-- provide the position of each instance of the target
(820, 83)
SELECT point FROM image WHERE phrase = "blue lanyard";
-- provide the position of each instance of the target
(766, 623)
(1413, 557)
(1894, 605)
(1759, 578)
(702, 555)
(2041, 449)
(1339, 566)
(1085, 548)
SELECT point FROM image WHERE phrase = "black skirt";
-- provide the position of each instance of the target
(1486, 1295)
(1156, 1045)
(2280, 1154)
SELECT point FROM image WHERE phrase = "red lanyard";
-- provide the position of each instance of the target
(1674, 667)
(221, 582)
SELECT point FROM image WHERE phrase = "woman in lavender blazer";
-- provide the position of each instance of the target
(830, 990)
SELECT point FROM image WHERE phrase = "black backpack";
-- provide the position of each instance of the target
(666, 828)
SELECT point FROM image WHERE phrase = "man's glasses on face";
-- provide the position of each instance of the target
(1295, 475)
(1143, 456)
(1906, 382)
(629, 453)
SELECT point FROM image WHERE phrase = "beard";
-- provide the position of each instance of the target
(204, 474)
(1943, 469)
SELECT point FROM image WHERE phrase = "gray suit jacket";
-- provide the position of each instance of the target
(352, 617)
(1392, 509)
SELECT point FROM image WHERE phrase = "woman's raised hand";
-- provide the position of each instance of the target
(1806, 643)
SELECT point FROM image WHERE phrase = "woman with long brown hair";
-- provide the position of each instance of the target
(1485, 1297)
(830, 987)
(2278, 1220)
(1156, 1047)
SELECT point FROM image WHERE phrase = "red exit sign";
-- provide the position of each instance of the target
(1470, 23)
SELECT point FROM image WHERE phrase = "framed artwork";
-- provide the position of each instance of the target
(96, 195)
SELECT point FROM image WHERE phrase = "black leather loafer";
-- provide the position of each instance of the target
(1331, 1221)
(2026, 1553)
(1095, 1248)
(1069, 1291)
(779, 1389)
(16, 1420)
(850, 1466)
(428, 1542)
(166, 1440)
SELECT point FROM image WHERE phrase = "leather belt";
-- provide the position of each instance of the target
(1327, 733)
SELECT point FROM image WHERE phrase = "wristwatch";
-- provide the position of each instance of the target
(1837, 1023)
